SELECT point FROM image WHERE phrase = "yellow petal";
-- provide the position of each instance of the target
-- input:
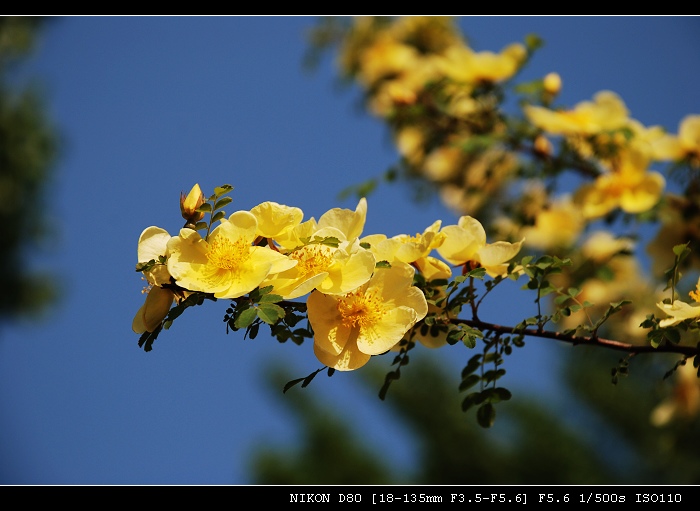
(275, 219)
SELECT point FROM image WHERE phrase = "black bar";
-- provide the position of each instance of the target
(457, 496)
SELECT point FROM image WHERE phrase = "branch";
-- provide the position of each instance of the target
(575, 340)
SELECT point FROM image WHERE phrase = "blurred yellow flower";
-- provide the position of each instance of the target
(686, 144)
(605, 112)
(556, 226)
(227, 264)
(349, 329)
(630, 186)
(684, 401)
(465, 244)
(462, 64)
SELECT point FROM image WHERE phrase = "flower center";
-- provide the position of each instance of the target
(226, 254)
(313, 259)
(359, 309)
(695, 295)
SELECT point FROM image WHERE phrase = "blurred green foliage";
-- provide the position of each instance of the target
(600, 435)
(28, 152)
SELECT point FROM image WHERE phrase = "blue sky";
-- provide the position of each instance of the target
(148, 106)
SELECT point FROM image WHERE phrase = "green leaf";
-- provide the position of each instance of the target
(492, 375)
(469, 382)
(270, 313)
(477, 273)
(469, 401)
(681, 250)
(246, 318)
(500, 394)
(204, 208)
(223, 189)
(291, 384)
(223, 201)
(473, 364)
(270, 298)
(486, 415)
(218, 216)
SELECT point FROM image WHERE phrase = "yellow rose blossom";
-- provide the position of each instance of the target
(600, 246)
(679, 311)
(605, 112)
(630, 187)
(332, 270)
(386, 57)
(686, 144)
(349, 329)
(153, 311)
(465, 244)
(226, 264)
(406, 248)
(684, 401)
(462, 64)
(275, 219)
(349, 222)
(557, 226)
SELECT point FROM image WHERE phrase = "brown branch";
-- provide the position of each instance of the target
(576, 340)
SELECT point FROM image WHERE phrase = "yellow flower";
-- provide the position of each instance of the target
(601, 246)
(686, 144)
(330, 269)
(275, 219)
(227, 264)
(606, 112)
(684, 402)
(386, 57)
(678, 311)
(350, 223)
(349, 329)
(153, 311)
(405, 248)
(630, 187)
(463, 64)
(465, 244)
(151, 246)
(556, 226)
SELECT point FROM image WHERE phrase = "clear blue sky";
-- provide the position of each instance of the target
(147, 106)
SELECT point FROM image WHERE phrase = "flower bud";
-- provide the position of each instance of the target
(543, 146)
(190, 203)
(552, 83)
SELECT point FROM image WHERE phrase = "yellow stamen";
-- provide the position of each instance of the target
(359, 309)
(226, 254)
(313, 259)
(695, 295)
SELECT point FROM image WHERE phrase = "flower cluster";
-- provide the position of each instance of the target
(360, 294)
